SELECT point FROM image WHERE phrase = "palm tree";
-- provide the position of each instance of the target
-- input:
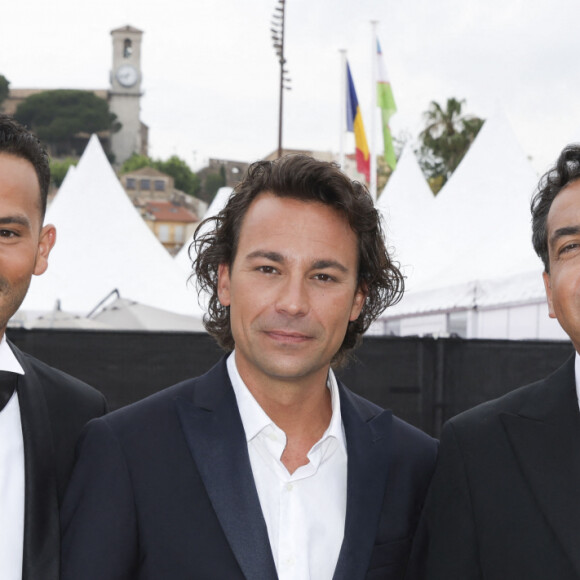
(446, 138)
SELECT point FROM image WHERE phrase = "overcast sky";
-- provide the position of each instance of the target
(210, 75)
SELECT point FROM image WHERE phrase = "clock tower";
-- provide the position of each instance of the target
(125, 93)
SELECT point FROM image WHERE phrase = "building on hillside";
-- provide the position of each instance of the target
(172, 224)
(149, 184)
(220, 173)
(233, 171)
(123, 96)
(171, 214)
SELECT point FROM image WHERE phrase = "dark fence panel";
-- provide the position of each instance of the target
(395, 373)
(480, 370)
(124, 366)
(425, 381)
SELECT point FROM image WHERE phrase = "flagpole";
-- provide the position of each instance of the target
(342, 121)
(373, 124)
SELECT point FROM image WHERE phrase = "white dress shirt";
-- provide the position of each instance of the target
(304, 511)
(11, 477)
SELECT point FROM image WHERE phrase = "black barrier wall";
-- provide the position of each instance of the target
(423, 380)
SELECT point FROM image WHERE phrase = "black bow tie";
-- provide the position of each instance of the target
(8, 382)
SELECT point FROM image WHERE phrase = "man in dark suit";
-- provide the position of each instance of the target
(42, 410)
(267, 466)
(505, 497)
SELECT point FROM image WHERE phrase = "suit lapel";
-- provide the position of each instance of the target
(215, 435)
(545, 437)
(368, 445)
(41, 522)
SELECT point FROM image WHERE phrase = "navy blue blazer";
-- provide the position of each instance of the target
(163, 489)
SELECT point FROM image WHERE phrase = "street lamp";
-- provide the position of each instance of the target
(278, 19)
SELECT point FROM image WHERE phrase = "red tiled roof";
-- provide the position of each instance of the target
(165, 211)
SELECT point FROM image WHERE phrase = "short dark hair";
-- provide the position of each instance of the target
(565, 171)
(303, 178)
(18, 141)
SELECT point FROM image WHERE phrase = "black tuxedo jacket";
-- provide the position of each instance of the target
(505, 498)
(163, 489)
(54, 407)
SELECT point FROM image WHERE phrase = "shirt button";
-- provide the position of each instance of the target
(289, 487)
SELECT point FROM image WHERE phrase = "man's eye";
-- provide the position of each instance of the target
(324, 277)
(7, 234)
(569, 247)
(267, 269)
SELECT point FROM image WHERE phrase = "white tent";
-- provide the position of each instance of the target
(406, 205)
(102, 244)
(123, 314)
(511, 307)
(480, 225)
(475, 261)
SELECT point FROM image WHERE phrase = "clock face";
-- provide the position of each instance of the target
(127, 75)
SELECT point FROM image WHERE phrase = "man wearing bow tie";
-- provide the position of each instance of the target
(42, 410)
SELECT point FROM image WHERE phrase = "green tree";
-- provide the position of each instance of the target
(135, 162)
(445, 140)
(57, 117)
(59, 169)
(4, 89)
(184, 178)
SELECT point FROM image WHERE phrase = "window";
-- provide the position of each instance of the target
(178, 234)
(145, 184)
(159, 185)
(163, 233)
(131, 183)
(127, 48)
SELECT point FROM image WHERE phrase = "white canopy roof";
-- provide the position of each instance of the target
(502, 291)
(406, 204)
(481, 219)
(103, 244)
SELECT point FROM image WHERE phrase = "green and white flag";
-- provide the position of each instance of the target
(386, 102)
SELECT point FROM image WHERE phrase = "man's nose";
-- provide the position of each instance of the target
(293, 297)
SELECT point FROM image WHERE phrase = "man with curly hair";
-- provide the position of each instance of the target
(267, 466)
(505, 497)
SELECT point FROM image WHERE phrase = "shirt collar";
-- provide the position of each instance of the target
(255, 419)
(8, 361)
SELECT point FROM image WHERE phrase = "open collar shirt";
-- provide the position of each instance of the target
(304, 511)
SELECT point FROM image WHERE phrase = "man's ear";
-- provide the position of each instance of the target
(224, 284)
(45, 244)
(548, 287)
(358, 301)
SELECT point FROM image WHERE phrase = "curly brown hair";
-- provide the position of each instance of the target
(565, 171)
(303, 178)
